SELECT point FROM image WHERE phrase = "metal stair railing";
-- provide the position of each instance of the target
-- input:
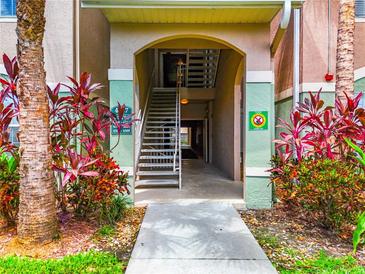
(177, 153)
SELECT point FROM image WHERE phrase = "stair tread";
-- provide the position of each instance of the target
(161, 112)
(155, 165)
(144, 157)
(159, 144)
(157, 173)
(156, 150)
(158, 137)
(159, 133)
(157, 183)
(160, 122)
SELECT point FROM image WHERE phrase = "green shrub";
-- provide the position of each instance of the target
(89, 262)
(324, 264)
(9, 187)
(106, 231)
(333, 190)
(359, 233)
(111, 212)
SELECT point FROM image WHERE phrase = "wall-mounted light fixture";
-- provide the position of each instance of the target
(184, 101)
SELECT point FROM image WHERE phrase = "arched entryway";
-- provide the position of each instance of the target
(211, 120)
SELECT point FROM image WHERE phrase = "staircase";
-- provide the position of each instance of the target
(159, 160)
(201, 68)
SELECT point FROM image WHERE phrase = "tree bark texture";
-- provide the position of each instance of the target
(37, 210)
(345, 50)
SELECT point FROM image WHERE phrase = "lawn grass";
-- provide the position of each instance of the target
(291, 260)
(89, 262)
(325, 264)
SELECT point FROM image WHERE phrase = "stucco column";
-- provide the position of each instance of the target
(121, 90)
(259, 132)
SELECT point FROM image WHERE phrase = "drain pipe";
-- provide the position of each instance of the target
(296, 56)
(285, 19)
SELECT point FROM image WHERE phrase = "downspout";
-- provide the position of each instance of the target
(285, 19)
(296, 56)
(284, 22)
(77, 40)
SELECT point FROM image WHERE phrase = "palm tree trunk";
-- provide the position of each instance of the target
(345, 50)
(37, 209)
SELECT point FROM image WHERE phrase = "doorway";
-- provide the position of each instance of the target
(170, 61)
(193, 135)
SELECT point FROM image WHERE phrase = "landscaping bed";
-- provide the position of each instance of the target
(295, 244)
(82, 246)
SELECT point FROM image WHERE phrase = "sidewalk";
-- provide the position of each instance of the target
(192, 238)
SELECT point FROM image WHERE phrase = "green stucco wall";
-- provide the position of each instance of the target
(258, 190)
(122, 92)
(360, 85)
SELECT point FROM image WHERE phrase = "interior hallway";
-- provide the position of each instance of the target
(200, 182)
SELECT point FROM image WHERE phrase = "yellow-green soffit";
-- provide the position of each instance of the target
(206, 16)
(203, 3)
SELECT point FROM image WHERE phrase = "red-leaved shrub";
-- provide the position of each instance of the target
(322, 177)
(85, 176)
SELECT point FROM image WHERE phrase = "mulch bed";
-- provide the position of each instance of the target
(121, 243)
(78, 236)
(287, 236)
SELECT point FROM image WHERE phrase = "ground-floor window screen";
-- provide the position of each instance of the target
(360, 8)
(7, 8)
(13, 129)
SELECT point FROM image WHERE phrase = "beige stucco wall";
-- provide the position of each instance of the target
(144, 68)
(194, 111)
(58, 41)
(252, 39)
(95, 48)
(226, 115)
(8, 44)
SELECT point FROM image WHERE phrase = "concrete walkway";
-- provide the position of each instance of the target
(200, 182)
(194, 238)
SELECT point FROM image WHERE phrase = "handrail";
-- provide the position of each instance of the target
(180, 156)
(179, 80)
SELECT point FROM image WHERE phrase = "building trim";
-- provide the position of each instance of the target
(359, 73)
(185, 3)
(305, 88)
(8, 19)
(257, 76)
(314, 87)
(128, 169)
(257, 172)
(120, 74)
(2, 69)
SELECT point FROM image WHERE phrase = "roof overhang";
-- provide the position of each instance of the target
(189, 11)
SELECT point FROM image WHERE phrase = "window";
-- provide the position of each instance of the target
(360, 8)
(14, 125)
(7, 8)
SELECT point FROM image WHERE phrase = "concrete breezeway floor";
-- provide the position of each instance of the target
(200, 182)
(196, 237)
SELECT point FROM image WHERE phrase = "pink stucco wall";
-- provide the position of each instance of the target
(319, 40)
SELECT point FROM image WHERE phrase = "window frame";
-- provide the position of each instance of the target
(8, 18)
(360, 19)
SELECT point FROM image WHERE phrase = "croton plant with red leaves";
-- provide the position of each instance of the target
(80, 124)
(322, 178)
(320, 132)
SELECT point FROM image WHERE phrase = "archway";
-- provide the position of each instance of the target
(217, 101)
